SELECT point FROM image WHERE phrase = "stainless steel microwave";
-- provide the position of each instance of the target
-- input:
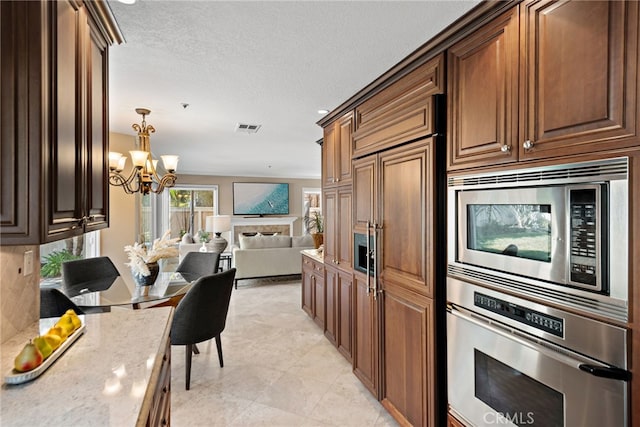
(562, 229)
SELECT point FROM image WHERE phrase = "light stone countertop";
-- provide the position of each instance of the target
(313, 253)
(106, 378)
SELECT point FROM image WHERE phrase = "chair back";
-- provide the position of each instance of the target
(88, 275)
(198, 264)
(54, 303)
(202, 313)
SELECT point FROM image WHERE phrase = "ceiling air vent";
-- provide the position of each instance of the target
(245, 128)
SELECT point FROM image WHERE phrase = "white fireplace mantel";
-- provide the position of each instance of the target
(267, 220)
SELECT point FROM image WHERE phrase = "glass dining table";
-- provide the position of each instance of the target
(168, 286)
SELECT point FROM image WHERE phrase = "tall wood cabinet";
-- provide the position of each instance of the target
(546, 79)
(54, 119)
(395, 327)
(336, 152)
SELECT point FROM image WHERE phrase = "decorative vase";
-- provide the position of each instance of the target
(154, 270)
(318, 239)
(218, 243)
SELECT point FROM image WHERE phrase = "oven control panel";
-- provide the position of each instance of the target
(584, 236)
(544, 322)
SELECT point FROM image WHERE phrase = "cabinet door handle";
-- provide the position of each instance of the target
(527, 145)
(505, 148)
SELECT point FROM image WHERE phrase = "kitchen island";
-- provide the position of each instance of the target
(116, 374)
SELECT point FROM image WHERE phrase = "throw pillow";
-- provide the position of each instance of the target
(187, 238)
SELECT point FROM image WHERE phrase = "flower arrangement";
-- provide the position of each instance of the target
(204, 236)
(139, 256)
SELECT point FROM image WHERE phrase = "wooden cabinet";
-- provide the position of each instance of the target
(409, 362)
(402, 112)
(395, 329)
(366, 334)
(339, 308)
(546, 79)
(338, 240)
(54, 119)
(336, 152)
(396, 191)
(313, 289)
(160, 413)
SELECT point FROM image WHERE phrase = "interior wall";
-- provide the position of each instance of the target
(225, 192)
(19, 294)
(123, 218)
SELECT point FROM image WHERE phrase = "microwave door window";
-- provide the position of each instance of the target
(518, 230)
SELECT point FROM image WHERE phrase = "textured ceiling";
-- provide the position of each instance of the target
(268, 63)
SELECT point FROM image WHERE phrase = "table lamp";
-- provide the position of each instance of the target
(219, 224)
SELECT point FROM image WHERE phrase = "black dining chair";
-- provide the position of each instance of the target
(88, 275)
(202, 315)
(198, 264)
(54, 303)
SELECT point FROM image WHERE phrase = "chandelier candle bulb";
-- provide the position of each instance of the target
(170, 163)
(139, 158)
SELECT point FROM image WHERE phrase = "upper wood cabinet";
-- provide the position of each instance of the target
(338, 246)
(546, 79)
(402, 112)
(336, 152)
(54, 119)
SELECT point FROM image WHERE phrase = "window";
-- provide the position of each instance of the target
(187, 209)
(53, 254)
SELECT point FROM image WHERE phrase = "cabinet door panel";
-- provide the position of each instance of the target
(345, 313)
(408, 357)
(66, 175)
(579, 76)
(330, 207)
(319, 300)
(344, 239)
(329, 156)
(407, 202)
(19, 104)
(483, 91)
(365, 358)
(97, 155)
(345, 126)
(364, 190)
(307, 289)
(331, 289)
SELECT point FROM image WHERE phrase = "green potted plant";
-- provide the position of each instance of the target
(52, 265)
(314, 223)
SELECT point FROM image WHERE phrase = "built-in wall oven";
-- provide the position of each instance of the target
(556, 233)
(537, 280)
(514, 362)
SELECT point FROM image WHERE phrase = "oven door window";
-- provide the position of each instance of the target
(515, 396)
(518, 230)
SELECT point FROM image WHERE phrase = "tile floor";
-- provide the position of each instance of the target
(279, 370)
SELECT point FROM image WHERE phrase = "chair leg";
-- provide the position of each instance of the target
(219, 347)
(236, 283)
(195, 349)
(188, 352)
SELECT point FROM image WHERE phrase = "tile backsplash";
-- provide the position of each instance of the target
(19, 294)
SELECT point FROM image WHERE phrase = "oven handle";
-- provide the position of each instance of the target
(607, 372)
(558, 353)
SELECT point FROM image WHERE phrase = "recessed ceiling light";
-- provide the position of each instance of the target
(127, 1)
(323, 111)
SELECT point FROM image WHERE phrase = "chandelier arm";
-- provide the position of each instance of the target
(116, 178)
(168, 180)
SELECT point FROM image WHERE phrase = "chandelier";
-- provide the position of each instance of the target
(144, 177)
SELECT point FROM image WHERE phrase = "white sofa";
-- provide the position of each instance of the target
(265, 256)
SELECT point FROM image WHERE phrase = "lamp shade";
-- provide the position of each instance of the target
(220, 223)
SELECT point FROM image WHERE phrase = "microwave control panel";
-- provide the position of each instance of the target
(584, 236)
(542, 321)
